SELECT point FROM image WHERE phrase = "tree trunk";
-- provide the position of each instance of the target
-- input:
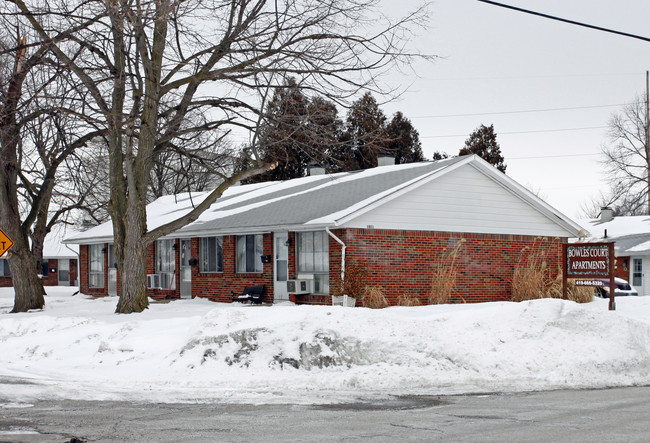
(27, 286)
(133, 269)
(133, 275)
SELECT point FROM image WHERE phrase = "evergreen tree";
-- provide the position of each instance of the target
(365, 136)
(483, 142)
(283, 134)
(403, 140)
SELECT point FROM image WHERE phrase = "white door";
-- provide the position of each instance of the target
(280, 267)
(112, 271)
(186, 269)
(636, 274)
(64, 272)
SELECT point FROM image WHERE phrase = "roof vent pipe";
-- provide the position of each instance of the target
(385, 160)
(315, 169)
(606, 214)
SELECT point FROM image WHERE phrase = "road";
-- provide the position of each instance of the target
(611, 415)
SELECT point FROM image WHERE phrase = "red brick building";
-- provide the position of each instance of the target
(60, 262)
(396, 220)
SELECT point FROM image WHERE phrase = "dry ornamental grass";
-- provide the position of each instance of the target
(374, 298)
(532, 278)
(444, 275)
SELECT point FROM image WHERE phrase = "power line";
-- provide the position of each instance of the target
(553, 156)
(523, 111)
(564, 20)
(522, 132)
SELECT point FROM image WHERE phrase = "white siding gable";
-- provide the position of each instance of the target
(462, 200)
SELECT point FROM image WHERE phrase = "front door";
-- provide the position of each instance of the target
(186, 269)
(637, 275)
(280, 267)
(64, 272)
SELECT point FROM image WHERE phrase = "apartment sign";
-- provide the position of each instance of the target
(585, 261)
(591, 260)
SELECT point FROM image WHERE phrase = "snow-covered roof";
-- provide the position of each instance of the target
(631, 234)
(53, 246)
(304, 203)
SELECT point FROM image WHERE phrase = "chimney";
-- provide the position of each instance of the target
(315, 169)
(606, 214)
(385, 160)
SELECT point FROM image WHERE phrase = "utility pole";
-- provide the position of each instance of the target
(647, 133)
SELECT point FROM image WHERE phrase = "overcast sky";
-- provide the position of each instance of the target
(497, 64)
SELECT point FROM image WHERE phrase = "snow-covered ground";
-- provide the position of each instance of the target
(196, 350)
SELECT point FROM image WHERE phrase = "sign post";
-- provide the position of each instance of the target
(587, 261)
(5, 243)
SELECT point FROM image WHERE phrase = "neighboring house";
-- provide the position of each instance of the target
(396, 219)
(60, 262)
(631, 237)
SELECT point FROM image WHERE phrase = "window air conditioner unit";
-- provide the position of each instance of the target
(153, 281)
(299, 286)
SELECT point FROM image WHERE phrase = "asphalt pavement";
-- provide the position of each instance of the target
(609, 415)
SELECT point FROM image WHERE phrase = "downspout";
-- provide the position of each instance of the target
(345, 296)
(78, 264)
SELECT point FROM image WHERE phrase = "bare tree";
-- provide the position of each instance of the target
(152, 69)
(627, 161)
(35, 140)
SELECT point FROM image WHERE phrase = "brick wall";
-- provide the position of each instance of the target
(220, 286)
(400, 262)
(84, 286)
(52, 278)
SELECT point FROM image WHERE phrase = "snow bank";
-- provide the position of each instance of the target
(195, 350)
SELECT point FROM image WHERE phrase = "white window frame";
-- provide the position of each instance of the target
(243, 261)
(96, 266)
(313, 258)
(205, 252)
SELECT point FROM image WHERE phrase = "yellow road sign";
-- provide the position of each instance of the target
(5, 243)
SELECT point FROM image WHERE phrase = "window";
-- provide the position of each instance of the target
(249, 253)
(165, 257)
(211, 254)
(96, 266)
(637, 272)
(4, 268)
(313, 258)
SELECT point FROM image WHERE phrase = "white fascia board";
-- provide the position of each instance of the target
(88, 240)
(527, 197)
(396, 193)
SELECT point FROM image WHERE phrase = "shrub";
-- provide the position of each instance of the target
(374, 298)
(444, 274)
(354, 283)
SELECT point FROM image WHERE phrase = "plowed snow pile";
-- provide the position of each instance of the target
(195, 350)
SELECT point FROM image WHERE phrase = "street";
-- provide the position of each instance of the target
(609, 415)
